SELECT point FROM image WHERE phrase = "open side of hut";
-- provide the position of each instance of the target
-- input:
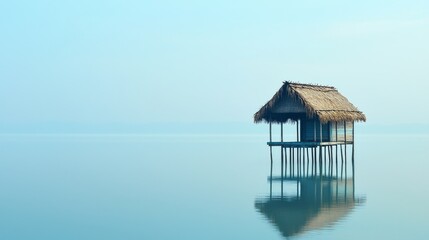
(321, 112)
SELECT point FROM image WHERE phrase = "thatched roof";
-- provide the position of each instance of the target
(322, 102)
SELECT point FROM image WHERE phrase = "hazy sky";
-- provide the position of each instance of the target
(195, 61)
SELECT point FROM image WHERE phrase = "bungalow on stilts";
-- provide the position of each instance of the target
(324, 128)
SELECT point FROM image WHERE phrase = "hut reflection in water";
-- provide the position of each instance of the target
(315, 202)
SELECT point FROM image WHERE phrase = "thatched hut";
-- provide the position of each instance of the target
(321, 112)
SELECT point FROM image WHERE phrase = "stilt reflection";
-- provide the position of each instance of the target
(318, 201)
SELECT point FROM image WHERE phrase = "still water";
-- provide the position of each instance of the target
(205, 187)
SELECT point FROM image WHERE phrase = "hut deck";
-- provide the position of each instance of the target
(303, 178)
(305, 144)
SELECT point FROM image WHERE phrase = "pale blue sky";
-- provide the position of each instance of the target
(131, 62)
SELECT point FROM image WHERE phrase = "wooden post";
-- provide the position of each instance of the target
(292, 168)
(293, 162)
(320, 161)
(330, 159)
(345, 145)
(285, 162)
(301, 156)
(297, 133)
(336, 131)
(336, 160)
(301, 161)
(342, 160)
(271, 182)
(312, 161)
(314, 132)
(325, 148)
(345, 188)
(281, 149)
(297, 162)
(321, 149)
(308, 161)
(315, 160)
(336, 149)
(353, 179)
(290, 162)
(271, 147)
(336, 189)
(281, 167)
(353, 149)
(271, 178)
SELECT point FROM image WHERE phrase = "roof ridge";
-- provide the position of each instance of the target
(297, 84)
(337, 110)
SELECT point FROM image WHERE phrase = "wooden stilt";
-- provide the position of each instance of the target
(308, 161)
(298, 151)
(331, 157)
(320, 160)
(353, 178)
(345, 189)
(345, 160)
(271, 148)
(336, 160)
(285, 170)
(303, 161)
(314, 130)
(336, 150)
(315, 161)
(271, 169)
(271, 180)
(297, 131)
(336, 190)
(290, 162)
(281, 165)
(324, 151)
(345, 145)
(312, 161)
(293, 162)
(281, 149)
(298, 163)
(336, 131)
(342, 159)
(353, 149)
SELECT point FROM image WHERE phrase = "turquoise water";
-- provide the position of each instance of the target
(202, 187)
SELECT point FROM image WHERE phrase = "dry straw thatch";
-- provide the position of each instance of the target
(324, 102)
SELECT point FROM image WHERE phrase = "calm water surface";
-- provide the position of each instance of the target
(204, 187)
